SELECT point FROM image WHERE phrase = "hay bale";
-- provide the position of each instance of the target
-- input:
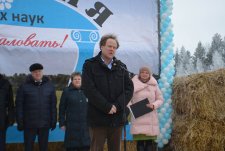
(197, 135)
(200, 96)
(199, 112)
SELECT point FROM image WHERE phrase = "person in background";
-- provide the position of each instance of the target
(146, 128)
(7, 114)
(36, 108)
(107, 85)
(72, 116)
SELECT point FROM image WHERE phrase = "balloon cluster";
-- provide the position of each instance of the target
(167, 72)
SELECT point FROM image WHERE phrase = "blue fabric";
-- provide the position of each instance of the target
(15, 136)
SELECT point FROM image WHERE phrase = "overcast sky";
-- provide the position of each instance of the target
(197, 20)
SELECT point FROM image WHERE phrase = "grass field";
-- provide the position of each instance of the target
(58, 95)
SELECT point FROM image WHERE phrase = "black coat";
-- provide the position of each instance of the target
(72, 114)
(104, 88)
(7, 114)
(36, 104)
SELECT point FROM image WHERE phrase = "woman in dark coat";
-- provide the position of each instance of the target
(72, 116)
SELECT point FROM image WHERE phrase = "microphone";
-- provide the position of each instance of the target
(122, 66)
(116, 62)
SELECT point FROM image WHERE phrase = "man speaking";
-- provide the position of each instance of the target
(108, 88)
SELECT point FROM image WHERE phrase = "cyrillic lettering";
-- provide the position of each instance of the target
(102, 16)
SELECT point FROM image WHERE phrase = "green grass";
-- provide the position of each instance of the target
(58, 96)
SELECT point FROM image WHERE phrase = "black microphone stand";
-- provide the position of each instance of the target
(124, 117)
(119, 63)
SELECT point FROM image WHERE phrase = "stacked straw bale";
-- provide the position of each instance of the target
(199, 112)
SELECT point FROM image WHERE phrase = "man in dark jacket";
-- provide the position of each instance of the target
(108, 88)
(36, 108)
(7, 116)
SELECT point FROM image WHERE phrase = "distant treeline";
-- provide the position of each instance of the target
(60, 81)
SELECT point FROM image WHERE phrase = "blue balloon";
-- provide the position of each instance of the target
(167, 115)
(163, 47)
(160, 85)
(169, 91)
(163, 121)
(169, 130)
(167, 135)
(170, 110)
(163, 66)
(166, 96)
(170, 57)
(160, 144)
(171, 80)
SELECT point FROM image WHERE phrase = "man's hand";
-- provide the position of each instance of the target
(53, 127)
(113, 110)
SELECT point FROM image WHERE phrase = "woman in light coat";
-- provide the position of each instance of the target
(146, 127)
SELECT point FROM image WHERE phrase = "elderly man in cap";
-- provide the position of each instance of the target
(36, 108)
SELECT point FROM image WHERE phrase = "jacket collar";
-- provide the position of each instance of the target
(30, 79)
(98, 58)
(71, 87)
(152, 81)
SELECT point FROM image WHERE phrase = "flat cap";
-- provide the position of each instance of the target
(36, 66)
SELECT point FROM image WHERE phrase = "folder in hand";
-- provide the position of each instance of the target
(138, 109)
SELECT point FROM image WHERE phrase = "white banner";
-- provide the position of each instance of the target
(61, 34)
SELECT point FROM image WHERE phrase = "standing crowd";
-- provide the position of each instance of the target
(92, 110)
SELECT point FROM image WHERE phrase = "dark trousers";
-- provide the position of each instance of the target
(2, 140)
(146, 145)
(100, 134)
(30, 135)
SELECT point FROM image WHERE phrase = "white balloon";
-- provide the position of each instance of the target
(167, 125)
(164, 80)
(165, 70)
(170, 46)
(167, 52)
(166, 105)
(163, 74)
(166, 85)
(170, 120)
(165, 141)
(169, 101)
(163, 77)
(160, 115)
(163, 90)
(172, 63)
(163, 58)
(163, 39)
(163, 130)
(163, 110)
(164, 16)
